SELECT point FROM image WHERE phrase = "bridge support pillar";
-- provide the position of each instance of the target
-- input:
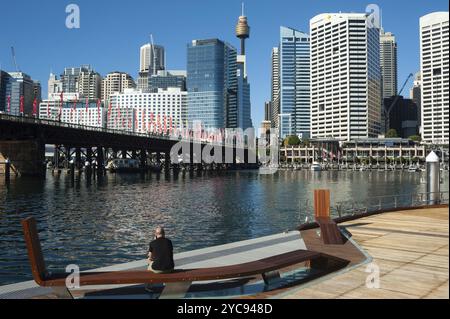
(56, 158)
(100, 162)
(158, 158)
(143, 159)
(25, 157)
(167, 162)
(78, 163)
(68, 157)
(124, 154)
(89, 162)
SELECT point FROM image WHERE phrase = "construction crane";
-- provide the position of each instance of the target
(13, 52)
(387, 111)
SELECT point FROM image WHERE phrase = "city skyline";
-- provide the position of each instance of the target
(125, 58)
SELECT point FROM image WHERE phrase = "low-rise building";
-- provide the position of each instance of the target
(69, 108)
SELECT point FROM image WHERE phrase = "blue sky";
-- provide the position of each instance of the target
(112, 32)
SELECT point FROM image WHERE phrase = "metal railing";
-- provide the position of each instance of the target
(377, 203)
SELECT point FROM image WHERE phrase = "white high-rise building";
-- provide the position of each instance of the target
(152, 60)
(142, 112)
(388, 61)
(116, 82)
(275, 92)
(55, 85)
(345, 76)
(434, 68)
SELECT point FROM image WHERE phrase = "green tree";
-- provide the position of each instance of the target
(391, 133)
(292, 140)
(415, 138)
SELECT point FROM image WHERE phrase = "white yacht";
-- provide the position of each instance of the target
(123, 165)
(316, 167)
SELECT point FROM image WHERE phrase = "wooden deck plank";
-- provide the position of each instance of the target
(411, 249)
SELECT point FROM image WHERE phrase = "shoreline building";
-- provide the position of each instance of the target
(152, 60)
(345, 76)
(212, 84)
(294, 74)
(148, 112)
(74, 109)
(434, 69)
(243, 115)
(116, 82)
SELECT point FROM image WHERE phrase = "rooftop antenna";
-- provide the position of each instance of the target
(13, 52)
(243, 9)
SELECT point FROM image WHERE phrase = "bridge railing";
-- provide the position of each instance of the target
(34, 120)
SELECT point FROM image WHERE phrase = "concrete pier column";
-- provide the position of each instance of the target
(133, 154)
(124, 154)
(433, 179)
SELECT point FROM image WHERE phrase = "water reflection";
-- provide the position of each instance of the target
(110, 221)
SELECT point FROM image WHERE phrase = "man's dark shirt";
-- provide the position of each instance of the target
(162, 254)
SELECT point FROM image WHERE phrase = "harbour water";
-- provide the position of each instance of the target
(111, 221)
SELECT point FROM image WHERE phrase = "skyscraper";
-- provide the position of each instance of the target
(116, 82)
(211, 83)
(4, 79)
(243, 115)
(434, 68)
(388, 63)
(415, 95)
(20, 93)
(294, 68)
(90, 84)
(83, 80)
(275, 87)
(345, 76)
(152, 60)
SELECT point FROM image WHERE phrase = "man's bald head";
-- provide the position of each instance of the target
(159, 232)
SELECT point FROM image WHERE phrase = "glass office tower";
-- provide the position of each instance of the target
(211, 83)
(294, 72)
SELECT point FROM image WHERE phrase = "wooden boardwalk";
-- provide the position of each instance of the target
(409, 247)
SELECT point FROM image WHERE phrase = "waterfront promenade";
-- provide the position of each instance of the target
(409, 247)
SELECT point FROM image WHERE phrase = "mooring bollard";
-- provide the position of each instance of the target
(433, 179)
(7, 170)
